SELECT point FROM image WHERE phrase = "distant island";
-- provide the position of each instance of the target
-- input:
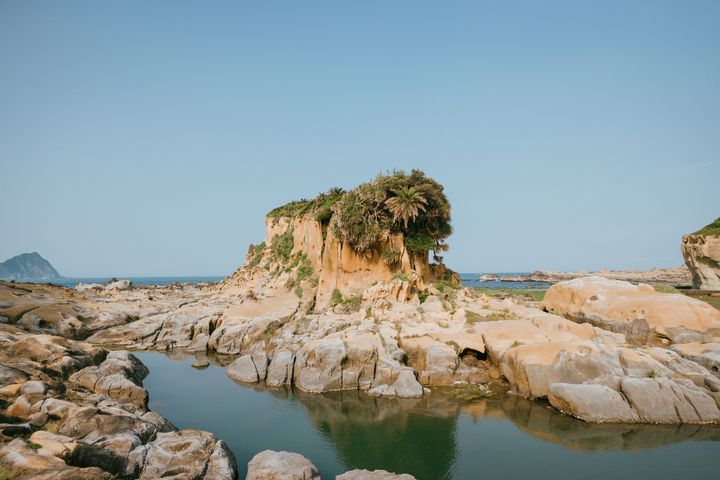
(26, 266)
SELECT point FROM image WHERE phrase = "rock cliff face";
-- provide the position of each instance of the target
(701, 251)
(326, 265)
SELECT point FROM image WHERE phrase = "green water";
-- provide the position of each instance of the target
(433, 438)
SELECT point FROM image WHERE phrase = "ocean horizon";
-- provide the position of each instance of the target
(467, 279)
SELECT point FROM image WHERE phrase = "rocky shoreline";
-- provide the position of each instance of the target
(316, 311)
(669, 276)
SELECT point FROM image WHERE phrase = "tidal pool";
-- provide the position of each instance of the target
(433, 438)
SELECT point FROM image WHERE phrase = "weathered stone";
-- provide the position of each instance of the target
(592, 403)
(243, 370)
(271, 465)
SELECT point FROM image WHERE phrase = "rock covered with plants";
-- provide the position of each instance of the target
(334, 247)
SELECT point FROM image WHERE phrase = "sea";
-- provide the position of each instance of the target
(467, 279)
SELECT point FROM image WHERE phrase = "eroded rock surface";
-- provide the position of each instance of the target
(85, 412)
(638, 311)
(702, 256)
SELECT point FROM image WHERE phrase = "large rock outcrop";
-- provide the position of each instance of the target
(637, 311)
(701, 252)
(71, 410)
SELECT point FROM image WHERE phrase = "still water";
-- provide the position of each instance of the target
(433, 438)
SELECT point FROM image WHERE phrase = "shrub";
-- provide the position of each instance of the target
(422, 296)
(298, 292)
(502, 315)
(337, 297)
(413, 204)
(281, 246)
(402, 277)
(392, 258)
(257, 253)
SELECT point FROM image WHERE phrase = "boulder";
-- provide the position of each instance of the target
(243, 370)
(118, 286)
(271, 465)
(406, 385)
(280, 370)
(637, 311)
(200, 453)
(592, 403)
(25, 463)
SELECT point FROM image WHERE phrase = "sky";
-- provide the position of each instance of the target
(150, 138)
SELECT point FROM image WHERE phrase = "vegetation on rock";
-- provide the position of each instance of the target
(412, 204)
(712, 229)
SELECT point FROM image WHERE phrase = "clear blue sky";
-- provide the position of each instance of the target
(149, 138)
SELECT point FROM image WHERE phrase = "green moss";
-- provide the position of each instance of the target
(444, 286)
(664, 288)
(298, 292)
(501, 315)
(34, 446)
(712, 229)
(534, 294)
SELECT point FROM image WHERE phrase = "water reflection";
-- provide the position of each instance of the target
(435, 437)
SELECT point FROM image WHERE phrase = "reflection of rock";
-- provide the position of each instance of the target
(386, 433)
(374, 475)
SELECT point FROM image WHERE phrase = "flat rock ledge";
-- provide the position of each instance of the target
(271, 465)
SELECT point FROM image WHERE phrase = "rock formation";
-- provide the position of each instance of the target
(72, 410)
(26, 266)
(701, 251)
(339, 297)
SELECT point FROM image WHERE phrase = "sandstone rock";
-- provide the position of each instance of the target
(26, 463)
(705, 354)
(52, 444)
(243, 370)
(638, 311)
(281, 368)
(406, 385)
(271, 465)
(702, 256)
(531, 369)
(592, 403)
(200, 452)
(84, 287)
(118, 285)
(318, 366)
